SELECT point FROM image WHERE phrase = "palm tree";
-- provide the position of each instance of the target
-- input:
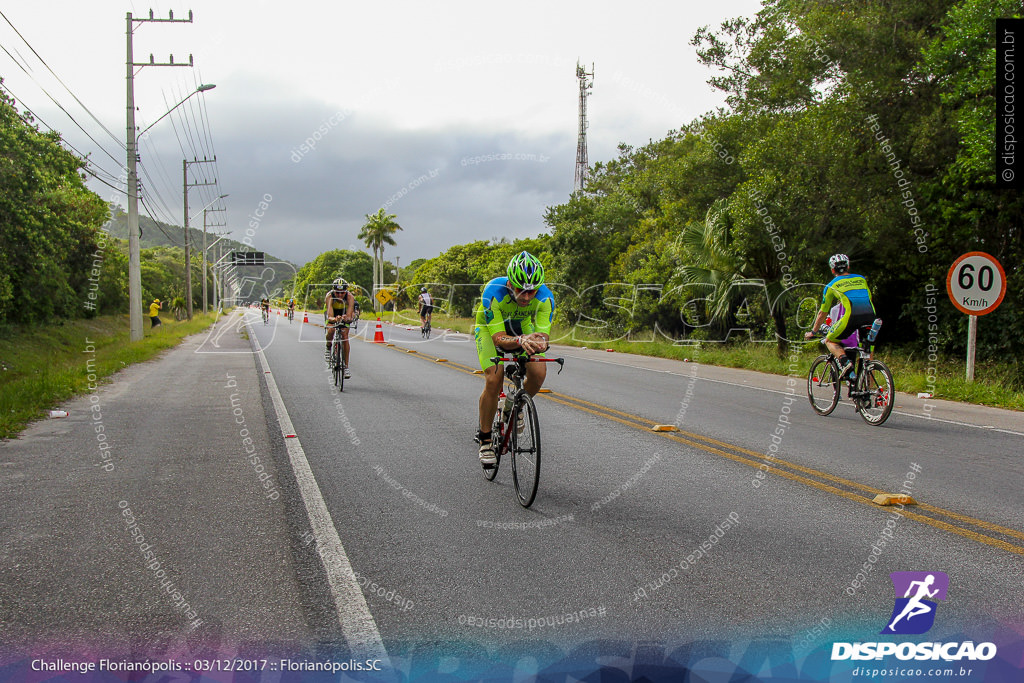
(711, 265)
(376, 232)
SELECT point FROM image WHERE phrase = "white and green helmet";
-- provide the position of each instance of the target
(525, 271)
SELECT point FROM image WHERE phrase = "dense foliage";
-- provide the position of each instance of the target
(455, 277)
(313, 279)
(60, 258)
(49, 223)
(856, 126)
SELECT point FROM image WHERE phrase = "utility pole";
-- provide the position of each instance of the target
(216, 225)
(134, 251)
(188, 252)
(582, 167)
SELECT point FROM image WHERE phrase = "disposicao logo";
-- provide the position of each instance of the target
(913, 614)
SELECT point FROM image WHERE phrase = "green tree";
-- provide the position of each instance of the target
(313, 279)
(49, 223)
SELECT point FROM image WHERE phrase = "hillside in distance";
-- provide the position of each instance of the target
(160, 234)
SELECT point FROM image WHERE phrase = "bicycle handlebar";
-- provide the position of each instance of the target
(528, 359)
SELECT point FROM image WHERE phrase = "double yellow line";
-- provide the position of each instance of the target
(995, 535)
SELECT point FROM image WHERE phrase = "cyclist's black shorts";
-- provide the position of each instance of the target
(855, 321)
(426, 310)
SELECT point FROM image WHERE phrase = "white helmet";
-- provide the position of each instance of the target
(839, 261)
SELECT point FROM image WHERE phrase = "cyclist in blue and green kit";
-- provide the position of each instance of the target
(515, 316)
(852, 292)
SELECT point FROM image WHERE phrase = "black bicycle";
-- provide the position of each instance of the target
(516, 429)
(266, 315)
(425, 330)
(870, 387)
(336, 357)
(291, 314)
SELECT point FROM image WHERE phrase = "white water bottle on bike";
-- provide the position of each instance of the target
(506, 405)
(873, 332)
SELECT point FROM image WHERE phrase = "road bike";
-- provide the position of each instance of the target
(266, 315)
(336, 357)
(870, 387)
(516, 429)
(425, 330)
(291, 315)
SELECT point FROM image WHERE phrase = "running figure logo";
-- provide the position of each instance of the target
(914, 612)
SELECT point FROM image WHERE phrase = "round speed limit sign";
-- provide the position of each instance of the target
(976, 283)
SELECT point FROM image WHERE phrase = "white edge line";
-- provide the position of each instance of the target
(357, 624)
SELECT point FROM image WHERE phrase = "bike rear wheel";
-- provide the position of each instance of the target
(496, 441)
(877, 385)
(525, 449)
(823, 385)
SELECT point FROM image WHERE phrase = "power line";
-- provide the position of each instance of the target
(80, 103)
(89, 165)
(60, 106)
(156, 222)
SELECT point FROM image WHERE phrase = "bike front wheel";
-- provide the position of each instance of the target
(525, 449)
(823, 385)
(336, 366)
(876, 402)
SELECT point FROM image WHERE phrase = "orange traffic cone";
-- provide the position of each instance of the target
(378, 336)
(305, 317)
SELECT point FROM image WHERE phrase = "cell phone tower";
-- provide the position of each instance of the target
(586, 86)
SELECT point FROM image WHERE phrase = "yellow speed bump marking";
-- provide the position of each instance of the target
(893, 499)
(544, 390)
(664, 428)
(411, 351)
(389, 344)
(440, 360)
(478, 372)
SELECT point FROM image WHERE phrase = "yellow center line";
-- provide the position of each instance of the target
(711, 445)
(740, 449)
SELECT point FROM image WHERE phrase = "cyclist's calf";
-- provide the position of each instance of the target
(535, 375)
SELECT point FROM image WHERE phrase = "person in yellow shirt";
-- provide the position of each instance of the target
(154, 312)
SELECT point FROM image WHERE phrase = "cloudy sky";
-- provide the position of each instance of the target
(459, 117)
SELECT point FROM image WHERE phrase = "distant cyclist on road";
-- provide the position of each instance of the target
(426, 304)
(857, 309)
(339, 305)
(515, 315)
(291, 307)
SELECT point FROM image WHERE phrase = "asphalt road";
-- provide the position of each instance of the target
(367, 530)
(612, 547)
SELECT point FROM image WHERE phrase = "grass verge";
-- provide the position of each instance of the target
(40, 366)
(994, 383)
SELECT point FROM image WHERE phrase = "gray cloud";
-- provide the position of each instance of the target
(446, 186)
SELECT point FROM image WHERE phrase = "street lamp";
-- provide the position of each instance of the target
(216, 283)
(205, 211)
(202, 88)
(188, 219)
(134, 250)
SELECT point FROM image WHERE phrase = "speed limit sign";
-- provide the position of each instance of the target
(976, 283)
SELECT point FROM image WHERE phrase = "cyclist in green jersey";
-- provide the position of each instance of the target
(858, 310)
(515, 315)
